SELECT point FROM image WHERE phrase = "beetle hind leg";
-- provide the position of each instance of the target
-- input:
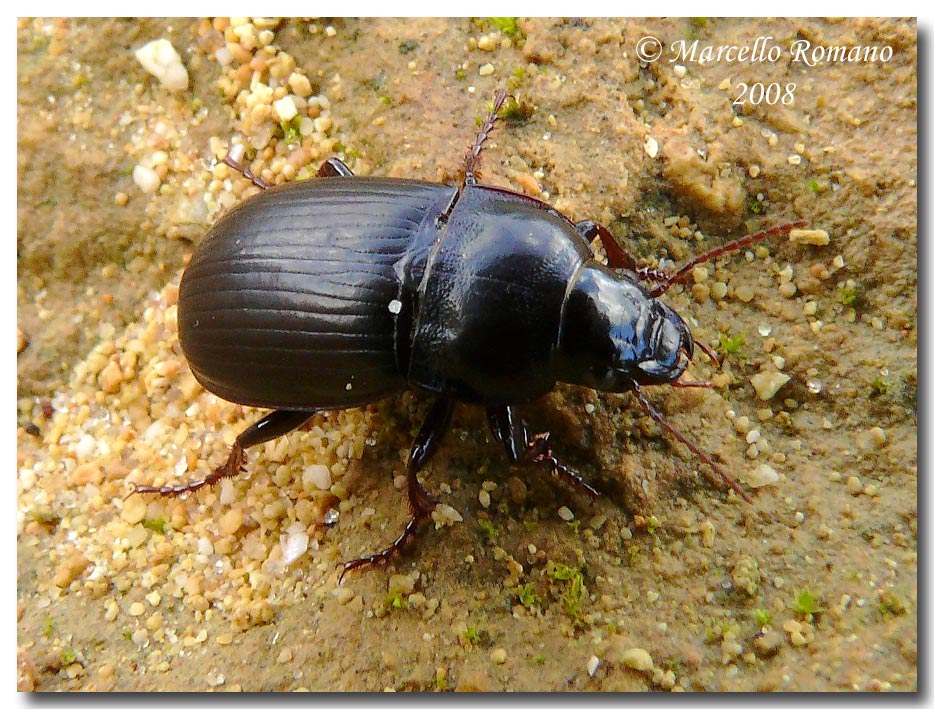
(273, 425)
(421, 503)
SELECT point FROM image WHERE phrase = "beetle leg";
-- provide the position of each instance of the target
(616, 256)
(663, 422)
(273, 425)
(509, 430)
(334, 167)
(421, 502)
(245, 171)
(472, 159)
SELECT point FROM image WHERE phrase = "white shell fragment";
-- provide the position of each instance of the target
(293, 546)
(650, 146)
(161, 60)
(812, 237)
(762, 476)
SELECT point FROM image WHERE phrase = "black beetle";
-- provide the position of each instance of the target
(334, 293)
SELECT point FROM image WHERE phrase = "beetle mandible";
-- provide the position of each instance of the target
(334, 293)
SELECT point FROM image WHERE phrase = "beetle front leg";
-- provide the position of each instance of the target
(508, 429)
(616, 257)
(273, 425)
(421, 502)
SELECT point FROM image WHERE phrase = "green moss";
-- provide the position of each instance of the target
(460, 75)
(509, 26)
(472, 635)
(891, 605)
(762, 617)
(806, 603)
(489, 531)
(572, 586)
(155, 524)
(731, 344)
(291, 130)
(395, 601)
(878, 387)
(408, 46)
(514, 111)
(527, 596)
(49, 627)
(67, 656)
(851, 297)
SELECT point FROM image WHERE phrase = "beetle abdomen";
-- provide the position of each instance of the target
(287, 302)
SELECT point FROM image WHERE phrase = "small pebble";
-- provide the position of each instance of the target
(161, 60)
(134, 509)
(285, 108)
(638, 659)
(768, 383)
(316, 477)
(487, 69)
(231, 520)
(650, 146)
(146, 179)
(812, 237)
(565, 513)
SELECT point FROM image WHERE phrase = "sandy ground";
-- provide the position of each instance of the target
(664, 583)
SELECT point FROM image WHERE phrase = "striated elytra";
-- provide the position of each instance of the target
(336, 292)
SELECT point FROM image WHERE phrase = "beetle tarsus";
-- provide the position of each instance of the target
(231, 467)
(272, 425)
(245, 171)
(472, 159)
(539, 452)
(334, 167)
(421, 503)
(508, 429)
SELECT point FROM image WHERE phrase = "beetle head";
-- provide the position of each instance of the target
(614, 333)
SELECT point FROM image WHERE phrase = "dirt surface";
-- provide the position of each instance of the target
(666, 582)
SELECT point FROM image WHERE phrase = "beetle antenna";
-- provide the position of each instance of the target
(472, 159)
(663, 422)
(665, 283)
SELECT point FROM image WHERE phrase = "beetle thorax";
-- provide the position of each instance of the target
(614, 333)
